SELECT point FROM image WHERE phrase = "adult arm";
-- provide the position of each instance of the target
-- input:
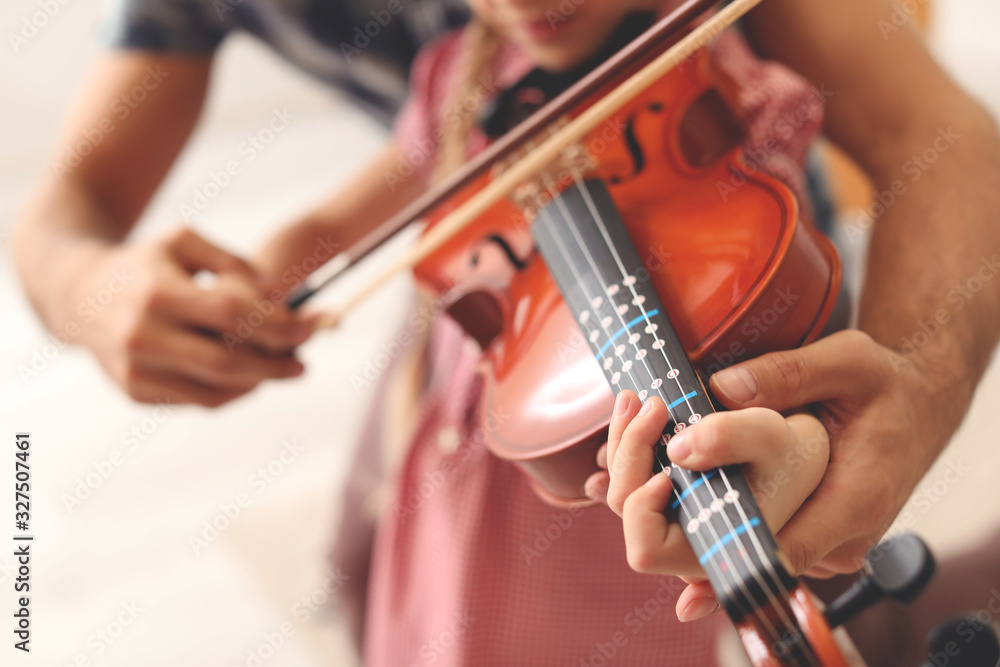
(159, 336)
(894, 393)
(340, 221)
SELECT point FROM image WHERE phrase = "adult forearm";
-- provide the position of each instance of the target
(333, 226)
(59, 234)
(932, 290)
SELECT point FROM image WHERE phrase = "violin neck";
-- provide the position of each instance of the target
(607, 286)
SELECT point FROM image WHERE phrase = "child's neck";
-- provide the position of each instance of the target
(506, 110)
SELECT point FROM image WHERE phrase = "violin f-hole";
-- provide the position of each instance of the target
(515, 261)
(633, 145)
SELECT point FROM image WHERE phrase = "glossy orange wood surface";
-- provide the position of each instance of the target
(738, 270)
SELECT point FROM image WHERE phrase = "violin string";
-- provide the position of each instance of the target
(551, 188)
(744, 518)
(553, 192)
(564, 252)
(680, 498)
(716, 537)
(751, 566)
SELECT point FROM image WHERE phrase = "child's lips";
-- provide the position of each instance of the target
(544, 28)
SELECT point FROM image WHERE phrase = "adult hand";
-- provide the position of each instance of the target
(887, 419)
(162, 337)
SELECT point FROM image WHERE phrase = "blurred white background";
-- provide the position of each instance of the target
(128, 543)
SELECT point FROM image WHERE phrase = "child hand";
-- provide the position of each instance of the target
(783, 458)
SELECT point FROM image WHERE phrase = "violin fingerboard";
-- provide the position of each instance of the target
(589, 252)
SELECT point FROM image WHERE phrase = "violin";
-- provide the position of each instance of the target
(637, 274)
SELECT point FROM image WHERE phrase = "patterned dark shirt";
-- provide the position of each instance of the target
(363, 47)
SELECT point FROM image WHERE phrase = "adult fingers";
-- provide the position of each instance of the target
(166, 387)
(237, 310)
(823, 532)
(847, 364)
(195, 254)
(206, 359)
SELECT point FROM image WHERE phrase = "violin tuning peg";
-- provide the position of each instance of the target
(899, 568)
(962, 642)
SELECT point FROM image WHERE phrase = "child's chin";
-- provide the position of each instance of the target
(555, 59)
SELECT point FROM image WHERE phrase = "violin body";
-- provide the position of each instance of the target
(635, 248)
(738, 270)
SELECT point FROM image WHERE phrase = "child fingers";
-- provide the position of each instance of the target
(631, 462)
(627, 405)
(602, 457)
(596, 487)
(652, 543)
(696, 601)
(645, 525)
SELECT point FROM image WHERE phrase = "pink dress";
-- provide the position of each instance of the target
(470, 567)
